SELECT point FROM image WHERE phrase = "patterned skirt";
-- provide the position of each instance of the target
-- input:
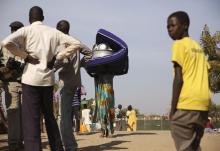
(105, 102)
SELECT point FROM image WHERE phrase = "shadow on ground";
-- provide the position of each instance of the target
(107, 146)
(134, 133)
(89, 133)
(45, 144)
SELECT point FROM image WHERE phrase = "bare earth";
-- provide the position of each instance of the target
(124, 141)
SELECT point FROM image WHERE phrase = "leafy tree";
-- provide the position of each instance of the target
(210, 48)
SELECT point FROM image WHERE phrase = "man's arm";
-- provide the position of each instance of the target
(67, 52)
(12, 43)
(71, 45)
(72, 49)
(14, 49)
(87, 55)
(177, 86)
(86, 52)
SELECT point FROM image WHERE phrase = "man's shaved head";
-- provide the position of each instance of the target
(63, 26)
(36, 14)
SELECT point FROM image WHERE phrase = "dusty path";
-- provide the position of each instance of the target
(124, 141)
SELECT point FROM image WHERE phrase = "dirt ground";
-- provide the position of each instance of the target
(124, 141)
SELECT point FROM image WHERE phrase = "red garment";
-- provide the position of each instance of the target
(209, 125)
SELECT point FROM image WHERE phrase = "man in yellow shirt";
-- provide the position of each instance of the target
(191, 96)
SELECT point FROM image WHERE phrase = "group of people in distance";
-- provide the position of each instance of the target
(130, 119)
(45, 49)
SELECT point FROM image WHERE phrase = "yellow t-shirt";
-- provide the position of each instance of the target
(195, 93)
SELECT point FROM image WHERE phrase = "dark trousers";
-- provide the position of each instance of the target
(36, 99)
(76, 117)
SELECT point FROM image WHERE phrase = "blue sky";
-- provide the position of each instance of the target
(141, 24)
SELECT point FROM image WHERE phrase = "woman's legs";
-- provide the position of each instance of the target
(105, 103)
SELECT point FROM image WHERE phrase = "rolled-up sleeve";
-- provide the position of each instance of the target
(86, 52)
(72, 46)
(87, 55)
(66, 39)
(70, 50)
(14, 42)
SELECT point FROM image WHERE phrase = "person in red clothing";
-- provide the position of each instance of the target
(209, 127)
(209, 124)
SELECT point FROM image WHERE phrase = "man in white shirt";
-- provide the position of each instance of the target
(40, 44)
(118, 113)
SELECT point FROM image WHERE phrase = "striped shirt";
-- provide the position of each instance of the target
(77, 97)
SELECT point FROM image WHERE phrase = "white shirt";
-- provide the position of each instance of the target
(85, 116)
(40, 41)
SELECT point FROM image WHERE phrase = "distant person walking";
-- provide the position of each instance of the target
(119, 116)
(76, 107)
(40, 44)
(191, 95)
(86, 117)
(132, 119)
(76, 103)
(209, 128)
